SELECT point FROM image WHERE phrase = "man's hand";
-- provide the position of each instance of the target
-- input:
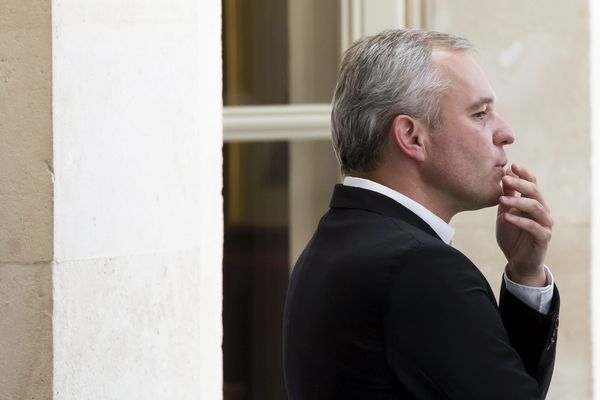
(523, 227)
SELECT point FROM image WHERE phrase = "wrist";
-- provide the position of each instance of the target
(536, 278)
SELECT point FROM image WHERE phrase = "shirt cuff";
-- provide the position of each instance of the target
(538, 298)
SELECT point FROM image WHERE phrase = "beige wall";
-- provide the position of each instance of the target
(595, 184)
(536, 56)
(25, 200)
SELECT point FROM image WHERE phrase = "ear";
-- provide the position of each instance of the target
(408, 135)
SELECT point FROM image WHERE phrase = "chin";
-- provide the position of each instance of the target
(487, 200)
(493, 202)
(493, 199)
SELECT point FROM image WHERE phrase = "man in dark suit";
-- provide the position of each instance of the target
(380, 305)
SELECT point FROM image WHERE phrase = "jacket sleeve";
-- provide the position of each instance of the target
(445, 336)
(532, 334)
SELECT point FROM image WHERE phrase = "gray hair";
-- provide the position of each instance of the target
(380, 77)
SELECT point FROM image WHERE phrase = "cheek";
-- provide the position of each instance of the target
(461, 146)
(478, 145)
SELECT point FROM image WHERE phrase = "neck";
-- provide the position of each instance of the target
(413, 188)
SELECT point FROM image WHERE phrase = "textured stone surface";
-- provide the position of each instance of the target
(26, 331)
(137, 114)
(138, 210)
(26, 132)
(141, 328)
(25, 200)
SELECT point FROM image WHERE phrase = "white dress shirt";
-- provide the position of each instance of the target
(538, 298)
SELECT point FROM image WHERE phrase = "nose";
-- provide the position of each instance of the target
(503, 134)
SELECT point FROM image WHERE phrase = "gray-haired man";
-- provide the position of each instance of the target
(380, 305)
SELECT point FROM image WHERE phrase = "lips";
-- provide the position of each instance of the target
(501, 169)
(501, 165)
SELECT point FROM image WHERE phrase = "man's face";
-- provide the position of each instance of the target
(465, 157)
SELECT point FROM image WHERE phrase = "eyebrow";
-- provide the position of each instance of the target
(481, 102)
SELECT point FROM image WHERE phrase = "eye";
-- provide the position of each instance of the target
(480, 115)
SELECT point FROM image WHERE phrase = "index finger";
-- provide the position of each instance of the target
(525, 174)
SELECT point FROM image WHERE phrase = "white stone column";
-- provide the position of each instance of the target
(110, 183)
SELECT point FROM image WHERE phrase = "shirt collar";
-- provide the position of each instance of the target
(443, 230)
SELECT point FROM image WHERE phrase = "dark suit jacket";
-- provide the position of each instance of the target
(379, 307)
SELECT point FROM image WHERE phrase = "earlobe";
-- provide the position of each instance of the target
(408, 137)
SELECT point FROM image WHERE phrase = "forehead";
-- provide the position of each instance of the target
(467, 80)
